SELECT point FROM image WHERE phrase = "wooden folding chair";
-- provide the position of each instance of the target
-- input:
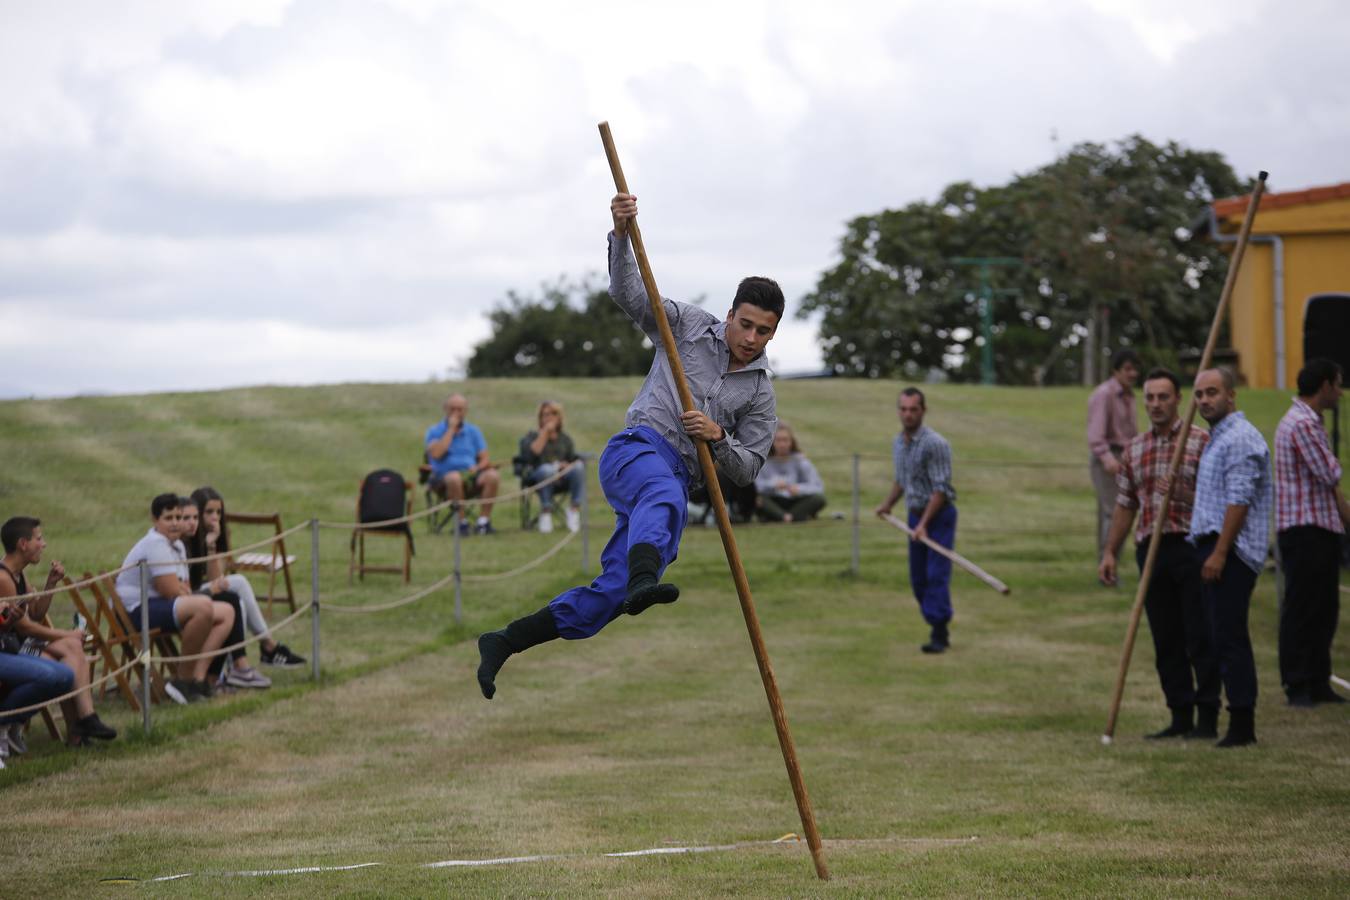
(272, 561)
(97, 633)
(357, 564)
(123, 632)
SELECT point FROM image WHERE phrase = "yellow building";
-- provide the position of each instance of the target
(1300, 247)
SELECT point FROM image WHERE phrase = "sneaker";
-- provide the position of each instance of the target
(4, 746)
(282, 657)
(546, 523)
(484, 527)
(179, 691)
(247, 678)
(573, 520)
(17, 744)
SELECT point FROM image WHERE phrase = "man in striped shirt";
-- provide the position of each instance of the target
(1230, 528)
(923, 476)
(1175, 615)
(1310, 516)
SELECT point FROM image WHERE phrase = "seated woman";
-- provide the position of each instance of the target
(216, 539)
(790, 489)
(542, 453)
(24, 681)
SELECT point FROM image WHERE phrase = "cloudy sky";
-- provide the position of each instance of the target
(210, 194)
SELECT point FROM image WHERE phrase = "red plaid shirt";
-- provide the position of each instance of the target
(1306, 474)
(1142, 469)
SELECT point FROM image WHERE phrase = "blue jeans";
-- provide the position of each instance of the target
(646, 484)
(930, 573)
(30, 680)
(574, 481)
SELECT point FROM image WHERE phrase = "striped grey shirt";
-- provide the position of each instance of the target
(742, 402)
(922, 466)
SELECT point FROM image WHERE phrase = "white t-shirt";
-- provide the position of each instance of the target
(164, 557)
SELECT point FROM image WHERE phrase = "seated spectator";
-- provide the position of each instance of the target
(215, 536)
(238, 673)
(790, 489)
(24, 681)
(460, 470)
(23, 542)
(202, 625)
(542, 453)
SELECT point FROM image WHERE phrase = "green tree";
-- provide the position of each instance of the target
(1102, 235)
(569, 330)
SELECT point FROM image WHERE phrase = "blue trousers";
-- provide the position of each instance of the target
(645, 482)
(31, 679)
(930, 573)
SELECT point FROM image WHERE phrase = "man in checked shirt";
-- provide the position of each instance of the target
(1310, 516)
(1175, 615)
(1230, 528)
(648, 468)
(923, 476)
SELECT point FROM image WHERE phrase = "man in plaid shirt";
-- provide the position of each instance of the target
(1230, 528)
(1310, 516)
(1175, 615)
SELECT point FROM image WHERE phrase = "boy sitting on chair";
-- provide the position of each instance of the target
(648, 468)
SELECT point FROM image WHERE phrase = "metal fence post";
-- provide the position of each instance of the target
(314, 597)
(857, 487)
(144, 572)
(459, 603)
(585, 523)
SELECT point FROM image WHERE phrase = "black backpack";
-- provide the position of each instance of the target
(383, 497)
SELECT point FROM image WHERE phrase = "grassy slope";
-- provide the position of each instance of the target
(657, 731)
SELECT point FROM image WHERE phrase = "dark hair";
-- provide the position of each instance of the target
(762, 292)
(1123, 356)
(163, 502)
(1314, 374)
(912, 391)
(204, 495)
(19, 528)
(1160, 372)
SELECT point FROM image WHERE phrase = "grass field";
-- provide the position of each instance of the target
(976, 773)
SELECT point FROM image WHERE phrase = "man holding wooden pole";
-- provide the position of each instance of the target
(648, 468)
(1184, 659)
(1230, 528)
(923, 475)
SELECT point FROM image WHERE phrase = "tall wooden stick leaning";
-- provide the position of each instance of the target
(1146, 575)
(808, 816)
(953, 556)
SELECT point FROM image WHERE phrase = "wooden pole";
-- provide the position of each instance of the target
(1178, 453)
(953, 556)
(724, 527)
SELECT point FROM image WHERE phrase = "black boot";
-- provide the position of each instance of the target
(938, 641)
(1241, 728)
(644, 566)
(495, 646)
(1182, 724)
(1323, 693)
(1206, 724)
(91, 726)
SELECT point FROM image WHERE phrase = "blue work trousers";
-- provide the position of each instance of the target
(930, 573)
(646, 483)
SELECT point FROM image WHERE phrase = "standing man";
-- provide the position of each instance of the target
(1230, 531)
(1110, 426)
(647, 469)
(458, 454)
(1310, 516)
(923, 475)
(1176, 617)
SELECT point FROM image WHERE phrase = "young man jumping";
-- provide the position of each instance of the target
(648, 468)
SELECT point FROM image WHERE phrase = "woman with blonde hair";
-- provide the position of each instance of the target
(789, 487)
(543, 452)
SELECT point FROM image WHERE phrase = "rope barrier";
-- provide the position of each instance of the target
(500, 576)
(51, 592)
(411, 517)
(232, 647)
(139, 660)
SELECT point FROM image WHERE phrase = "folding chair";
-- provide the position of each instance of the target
(528, 518)
(97, 629)
(380, 490)
(124, 632)
(270, 561)
(437, 521)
